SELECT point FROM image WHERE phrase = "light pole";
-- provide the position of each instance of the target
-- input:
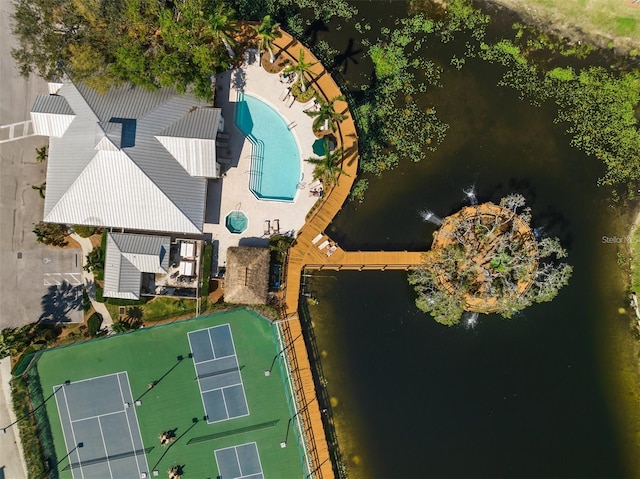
(267, 372)
(283, 444)
(4, 429)
(78, 446)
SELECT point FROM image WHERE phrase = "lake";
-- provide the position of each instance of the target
(552, 392)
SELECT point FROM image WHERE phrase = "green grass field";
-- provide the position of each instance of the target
(617, 18)
(148, 354)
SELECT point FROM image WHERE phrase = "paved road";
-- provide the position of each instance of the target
(24, 262)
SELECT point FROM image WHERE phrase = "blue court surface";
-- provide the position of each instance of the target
(218, 373)
(239, 462)
(100, 427)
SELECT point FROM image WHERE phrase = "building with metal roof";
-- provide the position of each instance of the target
(129, 158)
(127, 257)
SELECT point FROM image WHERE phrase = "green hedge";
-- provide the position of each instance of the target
(84, 231)
(127, 302)
(207, 259)
(99, 292)
(94, 323)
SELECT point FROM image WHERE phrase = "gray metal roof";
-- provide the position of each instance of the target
(52, 104)
(137, 187)
(200, 123)
(127, 257)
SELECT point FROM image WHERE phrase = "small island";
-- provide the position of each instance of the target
(487, 259)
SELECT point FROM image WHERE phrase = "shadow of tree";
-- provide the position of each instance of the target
(342, 59)
(59, 301)
(239, 79)
(312, 31)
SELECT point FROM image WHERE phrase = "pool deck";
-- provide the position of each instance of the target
(232, 192)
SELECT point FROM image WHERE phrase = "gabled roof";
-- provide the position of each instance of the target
(97, 177)
(127, 257)
(191, 140)
(51, 115)
(247, 277)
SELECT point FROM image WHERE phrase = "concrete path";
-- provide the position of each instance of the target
(89, 282)
(11, 460)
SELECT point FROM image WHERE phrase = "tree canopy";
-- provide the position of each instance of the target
(486, 259)
(110, 42)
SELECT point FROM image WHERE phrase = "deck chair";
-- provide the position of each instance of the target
(267, 227)
(285, 93)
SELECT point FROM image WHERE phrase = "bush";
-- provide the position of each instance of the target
(207, 258)
(99, 297)
(51, 234)
(94, 323)
(302, 96)
(127, 302)
(84, 231)
(86, 301)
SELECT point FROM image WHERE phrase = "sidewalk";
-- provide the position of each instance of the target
(11, 461)
(86, 246)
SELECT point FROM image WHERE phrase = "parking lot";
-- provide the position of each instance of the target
(28, 278)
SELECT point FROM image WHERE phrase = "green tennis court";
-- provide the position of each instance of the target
(166, 396)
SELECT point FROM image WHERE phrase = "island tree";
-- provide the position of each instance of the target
(486, 259)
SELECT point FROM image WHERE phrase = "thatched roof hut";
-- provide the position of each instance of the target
(247, 277)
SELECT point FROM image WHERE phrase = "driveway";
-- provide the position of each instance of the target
(30, 272)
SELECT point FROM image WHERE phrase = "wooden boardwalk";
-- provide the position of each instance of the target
(306, 253)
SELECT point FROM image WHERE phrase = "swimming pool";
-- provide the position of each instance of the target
(275, 159)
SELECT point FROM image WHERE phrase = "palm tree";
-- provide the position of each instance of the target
(42, 154)
(301, 68)
(222, 26)
(41, 188)
(326, 113)
(328, 167)
(268, 31)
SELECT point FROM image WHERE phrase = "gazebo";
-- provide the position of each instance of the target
(247, 277)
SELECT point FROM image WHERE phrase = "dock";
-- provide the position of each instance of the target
(317, 251)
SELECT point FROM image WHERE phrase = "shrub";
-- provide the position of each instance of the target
(99, 297)
(302, 96)
(86, 301)
(127, 302)
(51, 234)
(84, 231)
(207, 257)
(94, 323)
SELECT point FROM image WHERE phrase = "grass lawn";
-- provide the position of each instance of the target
(614, 17)
(159, 308)
(149, 355)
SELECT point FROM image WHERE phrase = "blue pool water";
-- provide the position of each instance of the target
(275, 160)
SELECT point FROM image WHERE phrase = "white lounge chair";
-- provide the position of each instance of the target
(324, 244)
(317, 238)
(285, 93)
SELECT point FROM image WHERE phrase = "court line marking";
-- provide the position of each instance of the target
(215, 359)
(73, 433)
(235, 450)
(123, 410)
(64, 436)
(96, 417)
(104, 444)
(129, 426)
(237, 366)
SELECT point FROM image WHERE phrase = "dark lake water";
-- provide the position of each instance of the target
(540, 395)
